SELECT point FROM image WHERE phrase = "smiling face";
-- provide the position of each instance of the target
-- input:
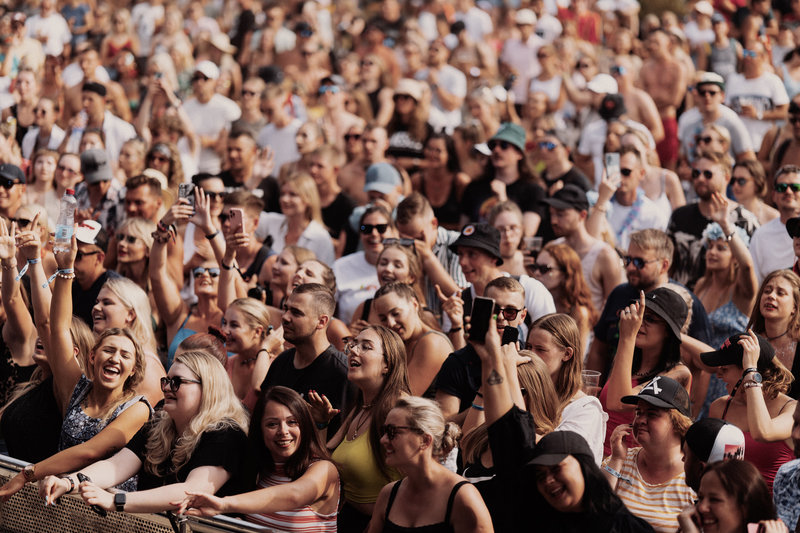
(476, 264)
(205, 283)
(554, 277)
(184, 403)
(283, 269)
(510, 227)
(652, 333)
(398, 314)
(44, 168)
(777, 300)
(291, 202)
(719, 510)
(366, 361)
(113, 362)
(109, 312)
(239, 335)
(393, 266)
(281, 431)
(406, 443)
(562, 485)
(373, 241)
(506, 299)
(130, 252)
(652, 425)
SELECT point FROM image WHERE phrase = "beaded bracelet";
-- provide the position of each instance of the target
(64, 273)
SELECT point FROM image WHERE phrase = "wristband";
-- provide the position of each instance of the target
(617, 474)
(25, 268)
(64, 273)
(751, 384)
(477, 407)
(479, 394)
(454, 330)
(748, 371)
(71, 484)
(212, 236)
(225, 267)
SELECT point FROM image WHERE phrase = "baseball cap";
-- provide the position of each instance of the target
(511, 133)
(603, 84)
(711, 78)
(664, 392)
(612, 107)
(95, 167)
(570, 196)
(383, 178)
(704, 7)
(731, 352)
(793, 227)
(669, 306)
(717, 18)
(557, 446)
(208, 69)
(482, 236)
(410, 87)
(525, 16)
(712, 440)
(12, 172)
(92, 232)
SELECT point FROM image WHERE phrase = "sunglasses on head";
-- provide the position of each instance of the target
(174, 383)
(366, 229)
(741, 182)
(8, 183)
(509, 313)
(783, 187)
(707, 174)
(547, 145)
(398, 242)
(708, 92)
(80, 255)
(199, 271)
(638, 262)
(130, 239)
(391, 431)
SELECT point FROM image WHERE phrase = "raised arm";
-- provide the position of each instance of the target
(41, 295)
(18, 330)
(619, 379)
(497, 399)
(166, 292)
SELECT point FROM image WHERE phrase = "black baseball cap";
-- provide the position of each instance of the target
(12, 172)
(482, 236)
(570, 196)
(731, 352)
(557, 446)
(669, 306)
(712, 440)
(793, 227)
(664, 392)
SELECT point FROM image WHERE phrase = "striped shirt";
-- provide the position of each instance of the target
(302, 520)
(658, 504)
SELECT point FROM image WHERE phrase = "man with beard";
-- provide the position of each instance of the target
(711, 173)
(786, 489)
(313, 364)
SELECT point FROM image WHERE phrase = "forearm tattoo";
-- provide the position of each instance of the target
(494, 378)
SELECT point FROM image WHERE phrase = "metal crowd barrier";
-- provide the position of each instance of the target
(25, 512)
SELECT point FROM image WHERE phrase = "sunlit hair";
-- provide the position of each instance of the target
(720, 159)
(680, 422)
(306, 189)
(327, 277)
(138, 227)
(757, 319)
(415, 275)
(175, 172)
(452, 165)
(300, 254)
(310, 447)
(219, 409)
(505, 207)
(655, 240)
(379, 209)
(540, 395)
(395, 385)
(565, 334)
(132, 297)
(322, 299)
(254, 313)
(575, 290)
(42, 152)
(205, 342)
(139, 365)
(425, 415)
(742, 480)
(722, 131)
(757, 173)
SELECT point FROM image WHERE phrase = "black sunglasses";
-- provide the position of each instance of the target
(651, 318)
(705, 140)
(707, 174)
(783, 187)
(367, 229)
(706, 92)
(504, 145)
(509, 313)
(794, 119)
(80, 255)
(174, 383)
(199, 78)
(21, 222)
(741, 182)
(199, 271)
(638, 262)
(391, 431)
(215, 196)
(130, 239)
(352, 136)
(8, 183)
(544, 269)
(626, 171)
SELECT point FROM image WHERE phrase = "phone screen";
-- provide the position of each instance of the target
(481, 318)
(612, 167)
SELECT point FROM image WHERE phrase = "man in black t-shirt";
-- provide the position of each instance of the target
(313, 363)
(90, 274)
(324, 165)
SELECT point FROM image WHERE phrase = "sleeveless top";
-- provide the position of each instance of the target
(302, 520)
(792, 86)
(182, 333)
(615, 418)
(362, 479)
(723, 60)
(450, 211)
(662, 202)
(21, 129)
(255, 267)
(441, 527)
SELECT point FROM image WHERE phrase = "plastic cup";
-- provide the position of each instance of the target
(591, 382)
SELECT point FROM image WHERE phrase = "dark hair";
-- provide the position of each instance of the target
(415, 204)
(309, 449)
(743, 481)
(756, 171)
(376, 208)
(452, 158)
(321, 297)
(669, 357)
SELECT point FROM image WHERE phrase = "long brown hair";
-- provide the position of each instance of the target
(576, 290)
(757, 319)
(564, 331)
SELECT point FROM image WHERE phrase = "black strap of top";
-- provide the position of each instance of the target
(366, 309)
(794, 390)
(391, 500)
(452, 499)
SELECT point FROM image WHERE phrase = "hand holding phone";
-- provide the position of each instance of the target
(237, 220)
(186, 190)
(613, 173)
(481, 318)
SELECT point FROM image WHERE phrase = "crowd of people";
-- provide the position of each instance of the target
(399, 266)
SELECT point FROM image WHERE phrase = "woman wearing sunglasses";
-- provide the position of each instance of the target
(559, 269)
(377, 367)
(298, 484)
(749, 184)
(649, 346)
(430, 497)
(197, 443)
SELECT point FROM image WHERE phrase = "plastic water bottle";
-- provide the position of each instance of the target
(66, 222)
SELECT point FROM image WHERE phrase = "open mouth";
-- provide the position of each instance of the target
(111, 371)
(354, 363)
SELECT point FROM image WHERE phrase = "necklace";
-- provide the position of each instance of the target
(778, 336)
(363, 420)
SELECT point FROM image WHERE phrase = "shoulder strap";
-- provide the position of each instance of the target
(781, 151)
(365, 311)
(725, 412)
(391, 500)
(452, 499)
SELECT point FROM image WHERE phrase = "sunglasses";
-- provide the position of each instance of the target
(174, 383)
(583, 65)
(68, 170)
(547, 145)
(504, 145)
(21, 222)
(8, 183)
(214, 196)
(398, 242)
(542, 56)
(705, 140)
(80, 255)
(617, 70)
(391, 431)
(352, 136)
(159, 158)
(199, 271)
(626, 171)
(199, 78)
(403, 97)
(638, 262)
(794, 119)
(783, 187)
(741, 182)
(509, 313)
(707, 92)
(650, 318)
(130, 239)
(749, 53)
(366, 229)
(707, 174)
(333, 89)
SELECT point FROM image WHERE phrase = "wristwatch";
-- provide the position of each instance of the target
(119, 501)
(755, 377)
(29, 472)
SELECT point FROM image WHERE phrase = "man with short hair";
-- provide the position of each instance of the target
(351, 178)
(99, 196)
(786, 488)
(45, 133)
(448, 87)
(279, 133)
(324, 164)
(518, 57)
(313, 364)
(252, 259)
(143, 198)
(707, 441)
(12, 189)
(788, 151)
(241, 153)
(601, 265)
(771, 245)
(252, 119)
(90, 273)
(639, 105)
(709, 95)
(90, 68)
(51, 29)
(711, 173)
(337, 119)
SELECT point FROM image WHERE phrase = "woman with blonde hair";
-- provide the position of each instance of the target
(416, 437)
(300, 219)
(40, 187)
(121, 38)
(197, 443)
(134, 238)
(376, 84)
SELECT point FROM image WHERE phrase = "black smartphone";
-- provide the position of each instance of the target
(510, 335)
(96, 508)
(186, 190)
(481, 318)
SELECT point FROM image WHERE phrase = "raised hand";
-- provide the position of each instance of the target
(203, 218)
(630, 318)
(619, 450)
(751, 350)
(66, 260)
(719, 207)
(8, 247)
(180, 211)
(30, 245)
(321, 408)
(452, 306)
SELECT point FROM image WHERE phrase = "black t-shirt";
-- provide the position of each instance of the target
(31, 425)
(478, 198)
(84, 300)
(244, 25)
(268, 189)
(336, 214)
(573, 176)
(227, 447)
(460, 376)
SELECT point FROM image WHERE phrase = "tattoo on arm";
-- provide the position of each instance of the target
(494, 378)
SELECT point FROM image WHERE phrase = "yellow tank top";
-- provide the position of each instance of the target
(361, 476)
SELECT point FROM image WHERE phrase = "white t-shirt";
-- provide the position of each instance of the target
(650, 215)
(356, 280)
(696, 36)
(55, 27)
(551, 87)
(454, 82)
(144, 17)
(593, 139)
(208, 120)
(477, 22)
(315, 237)
(116, 132)
(764, 93)
(691, 124)
(282, 141)
(771, 248)
(586, 417)
(73, 75)
(522, 58)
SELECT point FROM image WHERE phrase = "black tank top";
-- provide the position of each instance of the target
(441, 527)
